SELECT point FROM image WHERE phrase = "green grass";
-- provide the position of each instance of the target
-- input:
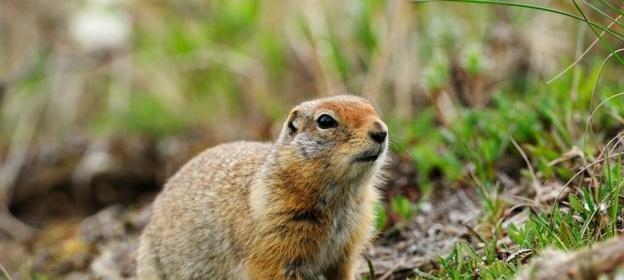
(586, 218)
(546, 124)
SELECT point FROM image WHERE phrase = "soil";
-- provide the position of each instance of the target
(96, 238)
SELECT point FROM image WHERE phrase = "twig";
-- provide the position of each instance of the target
(391, 270)
(588, 263)
(536, 184)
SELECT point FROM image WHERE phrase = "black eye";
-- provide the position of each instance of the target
(325, 121)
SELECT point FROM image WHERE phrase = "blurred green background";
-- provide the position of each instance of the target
(102, 100)
(77, 75)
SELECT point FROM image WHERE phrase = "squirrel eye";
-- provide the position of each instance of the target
(325, 121)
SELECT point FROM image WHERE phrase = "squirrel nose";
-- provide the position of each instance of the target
(378, 136)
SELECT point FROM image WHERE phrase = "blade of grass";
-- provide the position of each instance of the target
(534, 7)
(615, 203)
(578, 59)
(535, 184)
(602, 66)
(615, 9)
(588, 130)
(5, 272)
(597, 209)
(615, 20)
(550, 229)
(558, 197)
(590, 218)
(602, 103)
(614, 142)
(371, 268)
(604, 42)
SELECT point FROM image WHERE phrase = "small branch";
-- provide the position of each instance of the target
(588, 263)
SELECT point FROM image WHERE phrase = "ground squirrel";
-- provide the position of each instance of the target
(299, 208)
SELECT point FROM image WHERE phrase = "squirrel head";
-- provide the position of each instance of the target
(337, 138)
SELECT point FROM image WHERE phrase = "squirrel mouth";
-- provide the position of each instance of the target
(368, 156)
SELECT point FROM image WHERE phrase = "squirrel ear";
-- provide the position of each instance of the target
(293, 122)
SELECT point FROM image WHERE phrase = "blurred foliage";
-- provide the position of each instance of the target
(457, 84)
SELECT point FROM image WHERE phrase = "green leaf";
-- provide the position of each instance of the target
(565, 235)
(576, 204)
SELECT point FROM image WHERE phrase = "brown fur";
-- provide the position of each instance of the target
(299, 208)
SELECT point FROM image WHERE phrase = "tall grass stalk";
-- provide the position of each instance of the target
(616, 34)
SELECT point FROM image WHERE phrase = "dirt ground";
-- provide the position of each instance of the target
(102, 245)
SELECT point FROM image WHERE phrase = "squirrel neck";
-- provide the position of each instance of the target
(288, 182)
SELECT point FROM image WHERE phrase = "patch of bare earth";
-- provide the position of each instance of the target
(103, 245)
(437, 226)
